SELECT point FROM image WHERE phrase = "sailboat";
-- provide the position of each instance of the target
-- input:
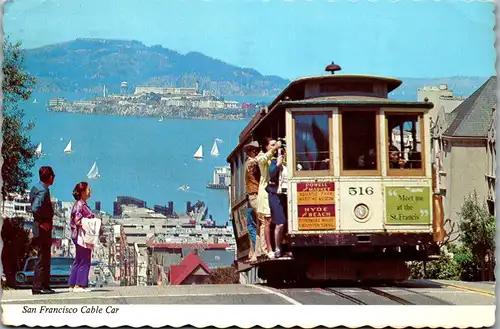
(215, 150)
(199, 153)
(94, 172)
(184, 187)
(38, 151)
(35, 102)
(68, 148)
(161, 119)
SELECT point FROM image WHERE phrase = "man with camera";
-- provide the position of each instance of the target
(277, 195)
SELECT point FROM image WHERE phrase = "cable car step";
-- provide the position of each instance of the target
(267, 260)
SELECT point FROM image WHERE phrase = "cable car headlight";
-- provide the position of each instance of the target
(20, 277)
(361, 211)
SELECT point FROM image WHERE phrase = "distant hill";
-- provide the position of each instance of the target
(86, 65)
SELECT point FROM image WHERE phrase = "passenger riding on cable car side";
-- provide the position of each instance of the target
(277, 199)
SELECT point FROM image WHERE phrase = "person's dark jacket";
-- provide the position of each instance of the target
(41, 206)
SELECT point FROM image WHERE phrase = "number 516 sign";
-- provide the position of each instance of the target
(361, 190)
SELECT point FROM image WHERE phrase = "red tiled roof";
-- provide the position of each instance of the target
(179, 245)
(178, 273)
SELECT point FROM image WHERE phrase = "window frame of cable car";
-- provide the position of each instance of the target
(359, 172)
(293, 149)
(237, 161)
(406, 171)
(242, 171)
(234, 181)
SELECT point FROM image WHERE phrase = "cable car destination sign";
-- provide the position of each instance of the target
(316, 206)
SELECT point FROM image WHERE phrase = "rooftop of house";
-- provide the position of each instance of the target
(190, 264)
(472, 117)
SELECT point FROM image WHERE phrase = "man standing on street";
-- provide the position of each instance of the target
(43, 213)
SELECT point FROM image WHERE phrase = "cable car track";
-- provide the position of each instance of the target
(345, 296)
(392, 297)
(375, 291)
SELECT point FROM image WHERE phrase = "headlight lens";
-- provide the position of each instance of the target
(20, 277)
(361, 211)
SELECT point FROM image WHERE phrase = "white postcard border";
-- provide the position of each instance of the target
(246, 316)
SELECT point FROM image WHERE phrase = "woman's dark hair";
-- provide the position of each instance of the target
(265, 142)
(393, 148)
(79, 189)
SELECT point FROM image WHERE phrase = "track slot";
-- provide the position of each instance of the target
(388, 296)
(345, 296)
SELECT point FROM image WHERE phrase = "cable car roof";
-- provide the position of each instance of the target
(353, 101)
(391, 83)
(295, 95)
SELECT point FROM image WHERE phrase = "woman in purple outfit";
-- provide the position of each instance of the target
(79, 279)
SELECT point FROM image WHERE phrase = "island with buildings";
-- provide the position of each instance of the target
(164, 103)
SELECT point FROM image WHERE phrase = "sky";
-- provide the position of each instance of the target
(288, 38)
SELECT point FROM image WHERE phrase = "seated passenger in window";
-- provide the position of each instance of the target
(395, 160)
(368, 160)
(414, 161)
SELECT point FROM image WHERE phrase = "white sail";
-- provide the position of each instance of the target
(215, 149)
(199, 153)
(161, 119)
(38, 151)
(68, 148)
(94, 172)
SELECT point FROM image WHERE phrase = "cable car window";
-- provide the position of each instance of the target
(312, 142)
(359, 140)
(404, 141)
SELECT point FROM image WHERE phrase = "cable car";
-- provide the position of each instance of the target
(361, 198)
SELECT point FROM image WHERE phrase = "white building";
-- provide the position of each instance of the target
(17, 205)
(440, 96)
(463, 151)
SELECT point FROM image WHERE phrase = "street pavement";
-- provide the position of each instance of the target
(413, 292)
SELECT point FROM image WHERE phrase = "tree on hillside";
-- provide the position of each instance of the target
(477, 229)
(17, 149)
